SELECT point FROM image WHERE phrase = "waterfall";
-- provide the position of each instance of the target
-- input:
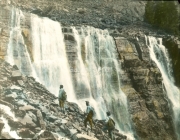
(99, 73)
(159, 55)
(49, 55)
(97, 79)
(17, 53)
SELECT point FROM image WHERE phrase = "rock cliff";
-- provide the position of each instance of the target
(37, 109)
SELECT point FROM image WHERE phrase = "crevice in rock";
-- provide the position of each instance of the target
(138, 48)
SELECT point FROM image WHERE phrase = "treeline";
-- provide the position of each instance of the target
(163, 14)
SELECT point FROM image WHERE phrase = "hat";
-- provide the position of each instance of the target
(87, 102)
(108, 113)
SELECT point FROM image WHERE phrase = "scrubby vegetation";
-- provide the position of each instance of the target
(163, 14)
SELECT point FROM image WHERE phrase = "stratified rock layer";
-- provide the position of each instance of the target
(148, 105)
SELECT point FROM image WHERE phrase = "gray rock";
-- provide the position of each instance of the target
(63, 121)
(37, 129)
(20, 113)
(58, 122)
(72, 132)
(25, 133)
(34, 118)
(20, 82)
(41, 120)
(6, 135)
(13, 95)
(47, 135)
(14, 87)
(7, 104)
(81, 10)
(16, 75)
(83, 137)
(52, 118)
(27, 120)
(27, 108)
(78, 128)
(1, 125)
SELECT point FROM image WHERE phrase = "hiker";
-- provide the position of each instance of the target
(62, 98)
(89, 115)
(109, 125)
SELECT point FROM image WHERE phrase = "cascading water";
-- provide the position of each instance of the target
(17, 52)
(100, 74)
(159, 55)
(99, 70)
(49, 55)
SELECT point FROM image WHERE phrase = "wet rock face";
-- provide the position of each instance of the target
(34, 112)
(141, 81)
(173, 47)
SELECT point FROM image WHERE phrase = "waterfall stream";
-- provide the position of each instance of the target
(159, 55)
(17, 51)
(49, 54)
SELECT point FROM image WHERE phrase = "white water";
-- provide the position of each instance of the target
(50, 60)
(7, 111)
(159, 55)
(7, 129)
(17, 53)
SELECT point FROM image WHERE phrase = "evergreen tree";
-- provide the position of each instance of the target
(163, 14)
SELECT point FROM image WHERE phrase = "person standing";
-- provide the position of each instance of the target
(89, 115)
(62, 98)
(109, 125)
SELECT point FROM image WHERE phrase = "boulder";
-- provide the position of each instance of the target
(81, 10)
(13, 95)
(25, 133)
(14, 87)
(83, 137)
(34, 118)
(52, 118)
(6, 103)
(27, 108)
(20, 113)
(72, 132)
(41, 120)
(27, 120)
(47, 135)
(20, 82)
(16, 75)
(14, 124)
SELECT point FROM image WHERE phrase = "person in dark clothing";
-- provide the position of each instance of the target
(109, 125)
(62, 98)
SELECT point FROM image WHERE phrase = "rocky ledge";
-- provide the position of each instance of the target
(31, 111)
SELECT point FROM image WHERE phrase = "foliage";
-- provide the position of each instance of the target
(163, 14)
